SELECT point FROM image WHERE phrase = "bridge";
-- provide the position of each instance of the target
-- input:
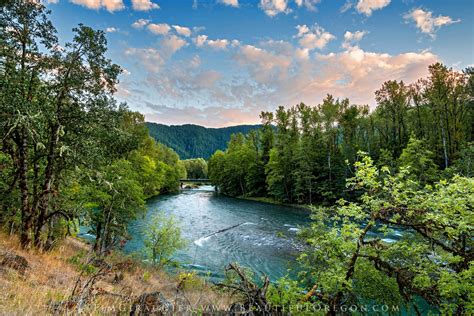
(194, 180)
(199, 181)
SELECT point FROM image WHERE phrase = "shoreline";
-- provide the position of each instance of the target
(266, 200)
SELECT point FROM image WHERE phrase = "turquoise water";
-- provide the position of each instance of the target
(265, 241)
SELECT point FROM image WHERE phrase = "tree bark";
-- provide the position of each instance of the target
(26, 216)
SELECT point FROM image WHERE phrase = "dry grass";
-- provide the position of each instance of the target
(51, 276)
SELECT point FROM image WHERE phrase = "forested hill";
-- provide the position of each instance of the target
(194, 141)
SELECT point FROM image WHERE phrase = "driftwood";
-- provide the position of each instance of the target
(254, 297)
(222, 230)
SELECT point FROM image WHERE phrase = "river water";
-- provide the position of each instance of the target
(265, 240)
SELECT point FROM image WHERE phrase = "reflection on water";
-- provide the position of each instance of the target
(263, 239)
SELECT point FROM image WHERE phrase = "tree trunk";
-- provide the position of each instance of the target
(98, 232)
(47, 185)
(443, 136)
(26, 216)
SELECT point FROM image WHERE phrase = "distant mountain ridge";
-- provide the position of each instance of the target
(195, 141)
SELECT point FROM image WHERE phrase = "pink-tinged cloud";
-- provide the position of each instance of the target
(276, 73)
(264, 66)
(109, 5)
(211, 116)
(144, 5)
(425, 21)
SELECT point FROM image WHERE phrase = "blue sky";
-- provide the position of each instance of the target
(221, 62)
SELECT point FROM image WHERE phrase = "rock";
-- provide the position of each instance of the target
(15, 262)
(152, 304)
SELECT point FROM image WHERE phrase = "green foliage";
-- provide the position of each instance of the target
(146, 276)
(114, 198)
(162, 239)
(157, 168)
(79, 261)
(193, 141)
(69, 152)
(304, 154)
(419, 160)
(286, 292)
(350, 262)
(237, 171)
(195, 168)
(465, 163)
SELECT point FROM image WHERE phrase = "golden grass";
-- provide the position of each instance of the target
(51, 278)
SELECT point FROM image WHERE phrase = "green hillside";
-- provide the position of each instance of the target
(194, 141)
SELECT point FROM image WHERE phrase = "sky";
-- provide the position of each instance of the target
(221, 62)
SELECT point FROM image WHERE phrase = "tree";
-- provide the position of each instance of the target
(432, 260)
(162, 239)
(419, 160)
(216, 168)
(50, 100)
(114, 198)
(196, 168)
(393, 101)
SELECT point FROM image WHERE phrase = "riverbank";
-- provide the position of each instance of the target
(42, 283)
(304, 207)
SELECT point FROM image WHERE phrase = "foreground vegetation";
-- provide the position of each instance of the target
(405, 168)
(47, 284)
(70, 155)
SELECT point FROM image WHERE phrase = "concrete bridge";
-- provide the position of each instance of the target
(182, 182)
(194, 180)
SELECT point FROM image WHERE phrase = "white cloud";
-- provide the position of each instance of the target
(308, 4)
(139, 24)
(218, 43)
(352, 38)
(197, 29)
(232, 3)
(159, 29)
(264, 66)
(195, 61)
(171, 44)
(425, 21)
(359, 73)
(274, 7)
(302, 29)
(150, 58)
(235, 43)
(346, 6)
(200, 40)
(109, 5)
(144, 5)
(111, 30)
(182, 30)
(276, 79)
(368, 6)
(313, 38)
(302, 53)
(52, 1)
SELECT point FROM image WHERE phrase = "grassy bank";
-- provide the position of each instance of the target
(268, 200)
(50, 278)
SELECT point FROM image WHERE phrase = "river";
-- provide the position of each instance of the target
(265, 241)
